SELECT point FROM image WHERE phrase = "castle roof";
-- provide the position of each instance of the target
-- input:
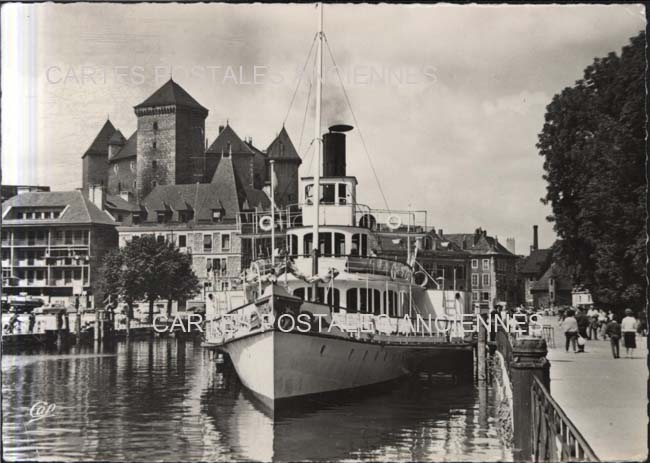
(478, 243)
(100, 143)
(117, 138)
(129, 150)
(171, 94)
(282, 149)
(228, 141)
(244, 195)
(77, 208)
(226, 192)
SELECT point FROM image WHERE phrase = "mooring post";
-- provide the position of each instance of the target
(528, 360)
(480, 354)
(96, 334)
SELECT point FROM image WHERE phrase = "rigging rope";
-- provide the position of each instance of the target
(304, 117)
(356, 122)
(311, 48)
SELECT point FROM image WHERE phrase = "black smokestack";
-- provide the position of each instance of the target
(535, 238)
(334, 152)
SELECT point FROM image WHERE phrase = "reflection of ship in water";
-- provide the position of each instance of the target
(412, 419)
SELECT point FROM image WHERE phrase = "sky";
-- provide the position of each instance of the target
(449, 99)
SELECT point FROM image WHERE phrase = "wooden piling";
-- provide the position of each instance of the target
(480, 354)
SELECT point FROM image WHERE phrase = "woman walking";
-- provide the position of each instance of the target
(570, 326)
(628, 327)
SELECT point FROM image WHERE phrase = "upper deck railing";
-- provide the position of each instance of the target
(357, 215)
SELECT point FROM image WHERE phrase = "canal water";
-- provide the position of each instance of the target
(168, 400)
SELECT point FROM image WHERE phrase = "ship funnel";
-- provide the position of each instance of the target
(334, 151)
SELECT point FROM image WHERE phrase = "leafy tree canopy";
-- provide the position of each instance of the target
(148, 269)
(593, 144)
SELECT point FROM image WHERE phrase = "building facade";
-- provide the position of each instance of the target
(445, 265)
(53, 244)
(493, 276)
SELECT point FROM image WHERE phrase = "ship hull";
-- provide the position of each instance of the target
(278, 367)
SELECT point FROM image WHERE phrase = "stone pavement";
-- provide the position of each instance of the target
(606, 398)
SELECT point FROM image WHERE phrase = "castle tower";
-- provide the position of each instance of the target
(170, 134)
(95, 159)
(287, 162)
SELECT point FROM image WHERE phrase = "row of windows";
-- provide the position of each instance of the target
(331, 193)
(329, 244)
(485, 280)
(132, 167)
(481, 296)
(185, 216)
(486, 264)
(181, 241)
(31, 214)
(361, 300)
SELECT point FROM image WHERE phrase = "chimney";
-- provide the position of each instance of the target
(440, 233)
(221, 127)
(334, 156)
(96, 195)
(510, 245)
(535, 238)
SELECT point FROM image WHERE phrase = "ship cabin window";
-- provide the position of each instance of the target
(292, 244)
(359, 245)
(329, 244)
(325, 244)
(363, 300)
(333, 296)
(390, 303)
(328, 195)
(342, 197)
(307, 244)
(339, 244)
(309, 190)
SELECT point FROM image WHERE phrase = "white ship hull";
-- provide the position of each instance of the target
(277, 366)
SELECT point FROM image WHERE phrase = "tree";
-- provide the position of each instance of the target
(182, 282)
(149, 269)
(593, 142)
(117, 279)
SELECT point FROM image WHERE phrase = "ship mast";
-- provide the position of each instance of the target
(318, 148)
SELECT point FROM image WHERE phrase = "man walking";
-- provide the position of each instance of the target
(613, 330)
(570, 326)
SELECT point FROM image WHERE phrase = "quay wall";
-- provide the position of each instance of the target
(503, 389)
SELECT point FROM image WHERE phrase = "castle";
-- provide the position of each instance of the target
(169, 147)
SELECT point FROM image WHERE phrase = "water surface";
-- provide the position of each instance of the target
(168, 400)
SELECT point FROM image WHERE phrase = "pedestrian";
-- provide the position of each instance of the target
(593, 326)
(570, 325)
(613, 330)
(13, 321)
(561, 312)
(602, 322)
(628, 328)
(583, 323)
(32, 321)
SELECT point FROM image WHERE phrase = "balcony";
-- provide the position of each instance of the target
(29, 242)
(68, 242)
